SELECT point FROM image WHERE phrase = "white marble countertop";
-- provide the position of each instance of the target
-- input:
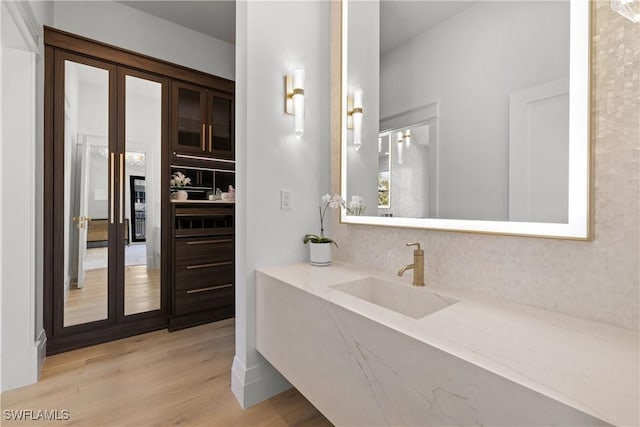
(587, 365)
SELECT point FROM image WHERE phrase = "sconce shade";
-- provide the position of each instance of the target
(356, 112)
(400, 141)
(294, 100)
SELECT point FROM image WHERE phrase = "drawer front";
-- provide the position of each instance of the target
(197, 276)
(203, 250)
(189, 301)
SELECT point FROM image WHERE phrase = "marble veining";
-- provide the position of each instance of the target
(476, 361)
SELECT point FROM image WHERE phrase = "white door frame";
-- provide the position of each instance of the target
(83, 211)
(22, 347)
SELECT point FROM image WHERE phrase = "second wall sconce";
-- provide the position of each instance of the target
(354, 116)
(399, 143)
(294, 99)
(407, 138)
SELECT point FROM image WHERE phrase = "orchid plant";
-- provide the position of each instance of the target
(328, 201)
(179, 180)
(354, 207)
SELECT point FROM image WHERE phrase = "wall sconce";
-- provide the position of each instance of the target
(630, 9)
(407, 138)
(400, 142)
(354, 116)
(294, 99)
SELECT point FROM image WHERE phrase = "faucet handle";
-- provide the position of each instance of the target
(414, 244)
(418, 251)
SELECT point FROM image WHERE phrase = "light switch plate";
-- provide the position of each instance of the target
(285, 200)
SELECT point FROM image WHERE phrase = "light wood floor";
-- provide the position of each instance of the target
(160, 378)
(89, 303)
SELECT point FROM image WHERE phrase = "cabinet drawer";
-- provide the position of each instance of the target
(197, 276)
(203, 250)
(205, 298)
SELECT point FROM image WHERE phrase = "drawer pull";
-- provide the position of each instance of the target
(206, 242)
(210, 288)
(213, 264)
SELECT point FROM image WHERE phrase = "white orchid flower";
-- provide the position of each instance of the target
(336, 201)
(326, 198)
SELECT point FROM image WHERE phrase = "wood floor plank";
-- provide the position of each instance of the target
(156, 379)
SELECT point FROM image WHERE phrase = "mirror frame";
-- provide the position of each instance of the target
(580, 185)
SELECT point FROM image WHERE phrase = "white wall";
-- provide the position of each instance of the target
(272, 39)
(22, 339)
(123, 26)
(363, 73)
(17, 271)
(468, 64)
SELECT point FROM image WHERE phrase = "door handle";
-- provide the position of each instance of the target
(203, 137)
(121, 188)
(112, 208)
(210, 136)
(81, 221)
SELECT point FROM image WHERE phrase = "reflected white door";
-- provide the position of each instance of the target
(83, 211)
(539, 153)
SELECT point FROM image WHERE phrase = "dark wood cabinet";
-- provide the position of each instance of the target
(202, 120)
(186, 275)
(203, 285)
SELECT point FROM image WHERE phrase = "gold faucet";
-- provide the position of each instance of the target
(417, 266)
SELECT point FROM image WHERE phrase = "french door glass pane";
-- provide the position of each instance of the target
(86, 193)
(143, 128)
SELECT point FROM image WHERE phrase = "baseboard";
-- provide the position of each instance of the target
(255, 384)
(41, 352)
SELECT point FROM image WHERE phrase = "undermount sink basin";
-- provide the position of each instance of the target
(415, 302)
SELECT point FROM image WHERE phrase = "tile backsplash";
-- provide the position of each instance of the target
(597, 280)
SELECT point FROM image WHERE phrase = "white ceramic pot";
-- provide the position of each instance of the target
(179, 195)
(320, 254)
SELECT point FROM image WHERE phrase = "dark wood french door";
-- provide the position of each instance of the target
(107, 123)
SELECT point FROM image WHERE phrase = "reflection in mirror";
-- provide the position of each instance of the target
(86, 181)
(143, 118)
(472, 100)
(384, 177)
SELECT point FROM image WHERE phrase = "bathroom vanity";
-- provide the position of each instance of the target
(370, 349)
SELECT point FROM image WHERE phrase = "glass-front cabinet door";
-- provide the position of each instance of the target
(189, 119)
(221, 125)
(202, 122)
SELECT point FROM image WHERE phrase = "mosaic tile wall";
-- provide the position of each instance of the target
(597, 280)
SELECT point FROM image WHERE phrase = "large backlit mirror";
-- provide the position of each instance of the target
(467, 115)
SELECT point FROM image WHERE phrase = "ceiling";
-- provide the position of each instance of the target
(401, 21)
(213, 18)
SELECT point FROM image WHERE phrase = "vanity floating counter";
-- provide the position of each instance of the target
(453, 357)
